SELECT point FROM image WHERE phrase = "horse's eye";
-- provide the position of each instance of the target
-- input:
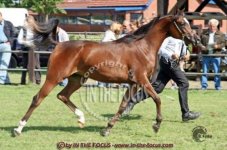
(183, 23)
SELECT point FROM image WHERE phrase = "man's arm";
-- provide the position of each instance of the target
(221, 43)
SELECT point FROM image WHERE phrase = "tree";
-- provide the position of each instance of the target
(43, 7)
(6, 3)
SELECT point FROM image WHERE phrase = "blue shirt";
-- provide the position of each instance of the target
(3, 37)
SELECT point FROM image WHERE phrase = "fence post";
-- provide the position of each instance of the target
(198, 66)
(31, 65)
(85, 35)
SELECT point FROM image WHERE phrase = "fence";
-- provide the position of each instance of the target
(97, 37)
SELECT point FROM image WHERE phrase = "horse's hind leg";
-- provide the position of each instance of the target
(129, 93)
(74, 83)
(37, 99)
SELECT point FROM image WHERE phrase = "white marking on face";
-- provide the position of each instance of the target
(186, 21)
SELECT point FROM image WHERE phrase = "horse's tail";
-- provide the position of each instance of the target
(45, 32)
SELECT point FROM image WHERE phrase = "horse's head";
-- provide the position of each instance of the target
(180, 28)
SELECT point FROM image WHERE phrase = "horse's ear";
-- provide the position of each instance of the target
(180, 12)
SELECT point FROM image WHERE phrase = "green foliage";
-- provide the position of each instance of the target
(6, 3)
(44, 7)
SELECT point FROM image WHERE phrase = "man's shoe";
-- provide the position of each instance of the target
(203, 88)
(190, 116)
(218, 88)
(128, 108)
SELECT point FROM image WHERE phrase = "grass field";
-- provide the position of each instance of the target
(53, 122)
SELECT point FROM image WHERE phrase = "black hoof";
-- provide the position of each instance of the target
(104, 132)
(15, 133)
(155, 128)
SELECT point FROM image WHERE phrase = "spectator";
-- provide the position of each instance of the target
(126, 28)
(6, 38)
(171, 52)
(144, 21)
(25, 38)
(213, 41)
(110, 35)
(62, 36)
(134, 25)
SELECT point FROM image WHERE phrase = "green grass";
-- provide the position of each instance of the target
(53, 122)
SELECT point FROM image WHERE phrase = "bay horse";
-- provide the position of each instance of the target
(80, 60)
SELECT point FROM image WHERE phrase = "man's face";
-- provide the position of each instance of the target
(213, 27)
(126, 27)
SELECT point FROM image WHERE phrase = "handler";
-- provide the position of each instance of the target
(171, 52)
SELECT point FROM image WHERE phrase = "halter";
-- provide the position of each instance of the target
(183, 36)
(182, 33)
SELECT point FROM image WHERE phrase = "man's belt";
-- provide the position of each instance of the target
(172, 63)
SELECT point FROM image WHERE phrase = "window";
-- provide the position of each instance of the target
(136, 16)
(63, 20)
(120, 17)
(83, 19)
(72, 20)
(108, 20)
(98, 20)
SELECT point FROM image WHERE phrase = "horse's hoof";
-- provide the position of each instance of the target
(81, 124)
(155, 128)
(104, 132)
(15, 133)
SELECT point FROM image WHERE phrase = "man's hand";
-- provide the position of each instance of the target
(215, 46)
(202, 47)
(175, 56)
(185, 58)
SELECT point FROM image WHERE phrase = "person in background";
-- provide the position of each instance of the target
(25, 38)
(171, 52)
(62, 36)
(126, 28)
(134, 25)
(111, 35)
(213, 41)
(144, 21)
(7, 32)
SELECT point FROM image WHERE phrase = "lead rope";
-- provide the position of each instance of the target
(181, 52)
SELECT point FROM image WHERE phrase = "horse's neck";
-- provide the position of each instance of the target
(157, 34)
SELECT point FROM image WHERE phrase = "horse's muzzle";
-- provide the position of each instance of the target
(197, 40)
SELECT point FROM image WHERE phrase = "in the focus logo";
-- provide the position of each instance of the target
(199, 134)
(99, 97)
(91, 96)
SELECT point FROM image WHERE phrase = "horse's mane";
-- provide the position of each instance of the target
(139, 33)
(44, 32)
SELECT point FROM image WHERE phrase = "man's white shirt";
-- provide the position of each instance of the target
(170, 46)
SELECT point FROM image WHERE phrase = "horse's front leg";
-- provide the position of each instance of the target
(150, 90)
(129, 93)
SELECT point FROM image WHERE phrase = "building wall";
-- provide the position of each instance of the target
(149, 13)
